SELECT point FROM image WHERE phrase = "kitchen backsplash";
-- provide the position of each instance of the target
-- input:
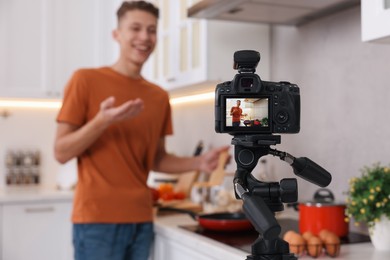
(29, 129)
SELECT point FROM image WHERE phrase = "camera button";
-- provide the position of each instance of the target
(276, 104)
(228, 90)
(276, 96)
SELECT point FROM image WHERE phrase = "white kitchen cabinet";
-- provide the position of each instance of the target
(200, 52)
(22, 47)
(375, 20)
(36, 231)
(165, 248)
(44, 41)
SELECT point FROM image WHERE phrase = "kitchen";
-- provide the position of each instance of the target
(343, 83)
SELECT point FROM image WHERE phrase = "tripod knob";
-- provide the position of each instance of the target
(288, 190)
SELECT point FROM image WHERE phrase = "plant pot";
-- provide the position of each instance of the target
(380, 234)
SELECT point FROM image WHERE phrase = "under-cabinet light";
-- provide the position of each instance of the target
(193, 98)
(30, 103)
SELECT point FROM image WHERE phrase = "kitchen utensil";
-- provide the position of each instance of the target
(186, 180)
(223, 221)
(177, 204)
(216, 177)
(323, 213)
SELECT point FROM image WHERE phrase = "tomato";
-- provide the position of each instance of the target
(165, 187)
(155, 194)
(168, 196)
(180, 195)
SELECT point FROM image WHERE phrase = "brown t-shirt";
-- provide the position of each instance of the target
(112, 173)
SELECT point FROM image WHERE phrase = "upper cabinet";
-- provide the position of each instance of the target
(376, 20)
(199, 53)
(44, 41)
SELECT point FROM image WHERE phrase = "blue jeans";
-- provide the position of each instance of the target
(112, 241)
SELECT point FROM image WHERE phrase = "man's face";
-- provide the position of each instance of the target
(136, 35)
(238, 103)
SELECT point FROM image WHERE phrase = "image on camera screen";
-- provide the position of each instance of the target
(247, 112)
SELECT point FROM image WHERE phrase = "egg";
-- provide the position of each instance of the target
(297, 244)
(314, 246)
(287, 236)
(323, 234)
(307, 235)
(332, 244)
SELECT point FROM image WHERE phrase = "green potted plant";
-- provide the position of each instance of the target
(369, 202)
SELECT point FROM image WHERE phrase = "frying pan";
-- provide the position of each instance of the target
(224, 221)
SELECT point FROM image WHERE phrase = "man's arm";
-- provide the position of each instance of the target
(169, 163)
(71, 140)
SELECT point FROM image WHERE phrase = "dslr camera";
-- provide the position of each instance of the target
(248, 105)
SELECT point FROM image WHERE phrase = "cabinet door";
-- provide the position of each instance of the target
(23, 45)
(376, 20)
(44, 41)
(168, 249)
(176, 52)
(195, 52)
(36, 231)
(160, 67)
(79, 36)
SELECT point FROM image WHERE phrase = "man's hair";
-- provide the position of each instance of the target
(136, 5)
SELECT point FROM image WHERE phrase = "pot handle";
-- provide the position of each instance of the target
(324, 196)
(294, 205)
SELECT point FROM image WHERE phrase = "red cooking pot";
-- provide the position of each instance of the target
(323, 213)
(224, 221)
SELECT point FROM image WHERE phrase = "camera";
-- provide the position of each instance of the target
(248, 105)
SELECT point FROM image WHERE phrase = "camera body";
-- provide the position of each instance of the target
(248, 105)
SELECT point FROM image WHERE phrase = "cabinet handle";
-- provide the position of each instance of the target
(171, 79)
(39, 210)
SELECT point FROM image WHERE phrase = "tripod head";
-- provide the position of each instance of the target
(262, 199)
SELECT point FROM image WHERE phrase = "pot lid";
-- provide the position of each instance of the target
(323, 198)
(321, 204)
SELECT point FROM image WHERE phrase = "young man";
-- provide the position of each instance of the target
(114, 122)
(236, 113)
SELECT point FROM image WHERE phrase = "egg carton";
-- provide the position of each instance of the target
(332, 250)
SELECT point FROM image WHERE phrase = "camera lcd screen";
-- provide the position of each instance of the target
(249, 114)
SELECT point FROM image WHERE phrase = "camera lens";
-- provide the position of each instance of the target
(282, 117)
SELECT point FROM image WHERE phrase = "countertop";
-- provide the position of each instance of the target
(169, 226)
(33, 194)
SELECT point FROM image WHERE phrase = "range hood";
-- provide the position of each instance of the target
(285, 12)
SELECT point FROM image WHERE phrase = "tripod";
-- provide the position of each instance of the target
(261, 199)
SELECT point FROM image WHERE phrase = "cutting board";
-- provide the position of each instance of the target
(217, 176)
(185, 182)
